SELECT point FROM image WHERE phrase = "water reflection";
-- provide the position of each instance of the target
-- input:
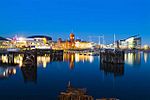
(27, 62)
(18, 59)
(43, 60)
(11, 60)
(83, 58)
(72, 93)
(6, 72)
(133, 58)
(146, 56)
(69, 58)
(72, 58)
(115, 69)
(29, 73)
(56, 58)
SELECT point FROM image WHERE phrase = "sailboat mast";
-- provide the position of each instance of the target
(114, 42)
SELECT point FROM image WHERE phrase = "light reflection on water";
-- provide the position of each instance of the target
(90, 72)
(43, 60)
(130, 58)
(133, 58)
(146, 57)
(18, 59)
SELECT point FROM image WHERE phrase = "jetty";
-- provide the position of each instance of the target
(30, 56)
(112, 56)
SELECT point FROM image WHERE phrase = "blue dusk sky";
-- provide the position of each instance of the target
(57, 18)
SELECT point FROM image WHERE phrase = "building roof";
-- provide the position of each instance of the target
(3, 39)
(71, 35)
(40, 36)
(134, 36)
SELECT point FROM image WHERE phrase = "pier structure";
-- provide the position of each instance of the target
(74, 94)
(30, 56)
(86, 52)
(112, 56)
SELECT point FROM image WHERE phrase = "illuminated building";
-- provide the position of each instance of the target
(44, 39)
(21, 42)
(72, 43)
(72, 37)
(59, 40)
(83, 45)
(4, 42)
(133, 42)
(39, 41)
(45, 42)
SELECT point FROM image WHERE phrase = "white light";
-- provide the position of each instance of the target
(91, 59)
(21, 39)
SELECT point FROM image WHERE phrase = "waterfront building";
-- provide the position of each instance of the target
(66, 44)
(133, 42)
(4, 42)
(45, 42)
(19, 42)
(38, 41)
(42, 38)
(72, 37)
(72, 43)
(84, 45)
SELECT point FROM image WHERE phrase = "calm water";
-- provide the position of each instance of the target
(130, 81)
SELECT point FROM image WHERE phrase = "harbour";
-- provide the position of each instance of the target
(74, 50)
(70, 68)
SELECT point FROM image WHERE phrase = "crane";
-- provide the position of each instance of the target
(99, 39)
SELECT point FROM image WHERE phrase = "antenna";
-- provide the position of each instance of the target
(99, 40)
(114, 42)
(103, 42)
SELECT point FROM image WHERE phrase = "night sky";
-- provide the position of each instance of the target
(57, 18)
